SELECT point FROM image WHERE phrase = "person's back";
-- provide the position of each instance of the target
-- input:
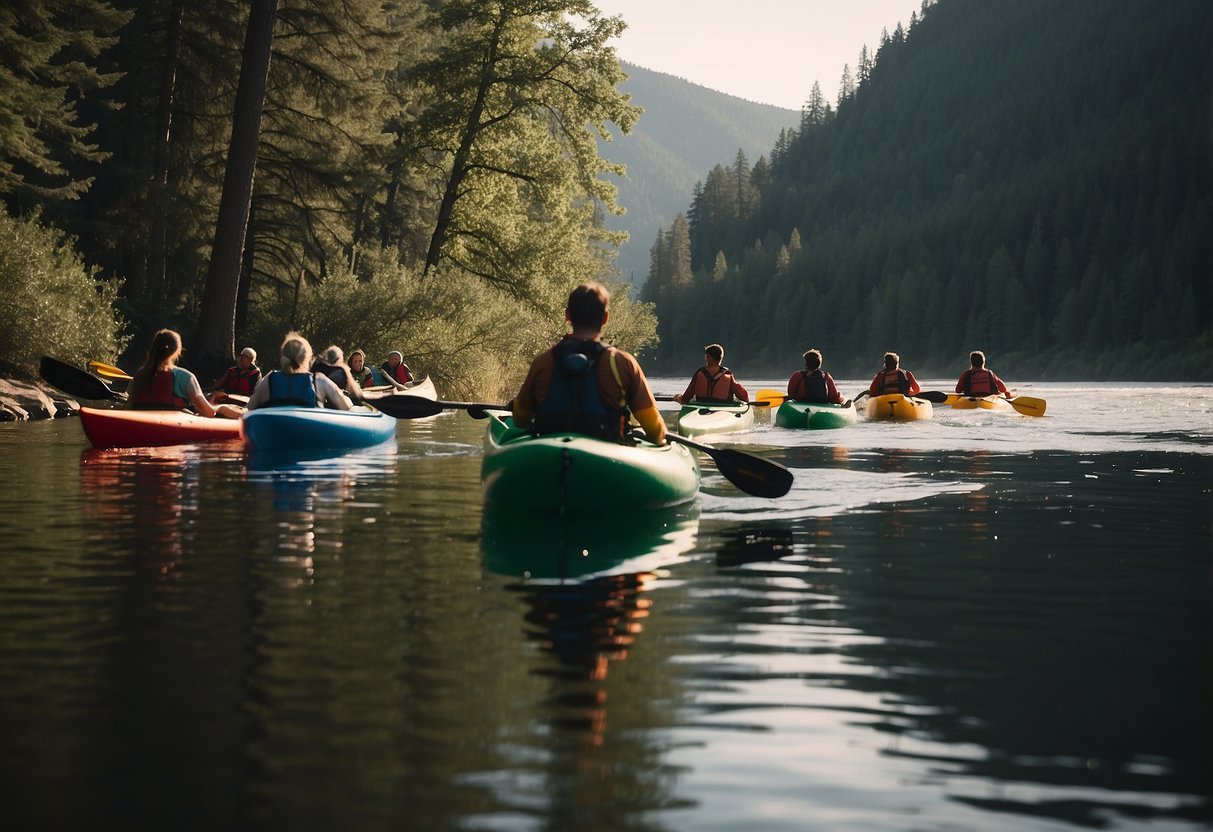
(813, 384)
(979, 380)
(581, 380)
(893, 379)
(713, 382)
(294, 385)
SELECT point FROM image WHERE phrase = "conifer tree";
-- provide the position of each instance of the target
(48, 65)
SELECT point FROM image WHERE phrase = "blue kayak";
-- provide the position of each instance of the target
(301, 428)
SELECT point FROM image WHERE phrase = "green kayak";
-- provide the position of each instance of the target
(571, 472)
(815, 416)
(709, 418)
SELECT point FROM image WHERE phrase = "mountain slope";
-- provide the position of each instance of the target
(686, 129)
(1032, 179)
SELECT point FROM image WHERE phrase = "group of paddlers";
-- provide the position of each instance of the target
(327, 380)
(714, 382)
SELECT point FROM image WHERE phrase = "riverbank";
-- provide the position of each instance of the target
(22, 401)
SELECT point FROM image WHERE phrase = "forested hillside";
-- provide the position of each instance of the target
(1030, 178)
(408, 175)
(684, 130)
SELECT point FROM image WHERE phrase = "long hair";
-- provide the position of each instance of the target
(161, 355)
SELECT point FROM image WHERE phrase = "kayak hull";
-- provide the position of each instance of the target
(898, 408)
(996, 403)
(815, 415)
(305, 428)
(709, 418)
(570, 472)
(108, 428)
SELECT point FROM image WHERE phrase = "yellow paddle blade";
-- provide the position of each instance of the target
(108, 370)
(1029, 405)
(772, 398)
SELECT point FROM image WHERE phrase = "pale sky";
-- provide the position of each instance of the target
(769, 51)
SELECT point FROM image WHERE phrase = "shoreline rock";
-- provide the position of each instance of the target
(22, 401)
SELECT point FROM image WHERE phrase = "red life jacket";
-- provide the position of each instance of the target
(401, 373)
(239, 381)
(978, 383)
(158, 394)
(709, 388)
(893, 381)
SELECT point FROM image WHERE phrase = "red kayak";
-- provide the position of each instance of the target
(108, 428)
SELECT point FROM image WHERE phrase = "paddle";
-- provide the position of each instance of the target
(404, 406)
(751, 473)
(109, 371)
(709, 406)
(933, 396)
(76, 382)
(1029, 405)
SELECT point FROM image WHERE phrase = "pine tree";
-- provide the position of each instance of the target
(49, 66)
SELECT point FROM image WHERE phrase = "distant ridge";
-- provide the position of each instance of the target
(685, 131)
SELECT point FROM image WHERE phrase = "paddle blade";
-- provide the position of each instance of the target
(769, 398)
(109, 371)
(1029, 405)
(933, 396)
(752, 474)
(74, 381)
(403, 406)
(749, 472)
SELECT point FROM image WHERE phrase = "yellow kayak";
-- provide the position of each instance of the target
(960, 402)
(898, 408)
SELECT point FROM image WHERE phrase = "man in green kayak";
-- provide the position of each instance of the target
(582, 385)
(813, 384)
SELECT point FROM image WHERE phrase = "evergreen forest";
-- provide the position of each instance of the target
(1031, 179)
(383, 174)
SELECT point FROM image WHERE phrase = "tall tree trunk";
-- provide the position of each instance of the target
(214, 341)
(156, 285)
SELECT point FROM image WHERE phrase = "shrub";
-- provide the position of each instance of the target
(51, 303)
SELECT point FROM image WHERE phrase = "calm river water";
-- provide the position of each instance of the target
(982, 622)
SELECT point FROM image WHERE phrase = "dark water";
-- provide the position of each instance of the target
(982, 622)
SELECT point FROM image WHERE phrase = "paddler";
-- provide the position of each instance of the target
(295, 384)
(240, 379)
(398, 373)
(363, 375)
(332, 364)
(893, 379)
(977, 380)
(713, 382)
(161, 385)
(582, 385)
(813, 384)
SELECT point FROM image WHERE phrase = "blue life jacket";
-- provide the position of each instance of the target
(573, 404)
(291, 390)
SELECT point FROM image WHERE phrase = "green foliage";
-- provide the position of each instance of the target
(50, 302)
(519, 92)
(49, 51)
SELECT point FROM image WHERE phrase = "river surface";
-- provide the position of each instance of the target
(981, 622)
